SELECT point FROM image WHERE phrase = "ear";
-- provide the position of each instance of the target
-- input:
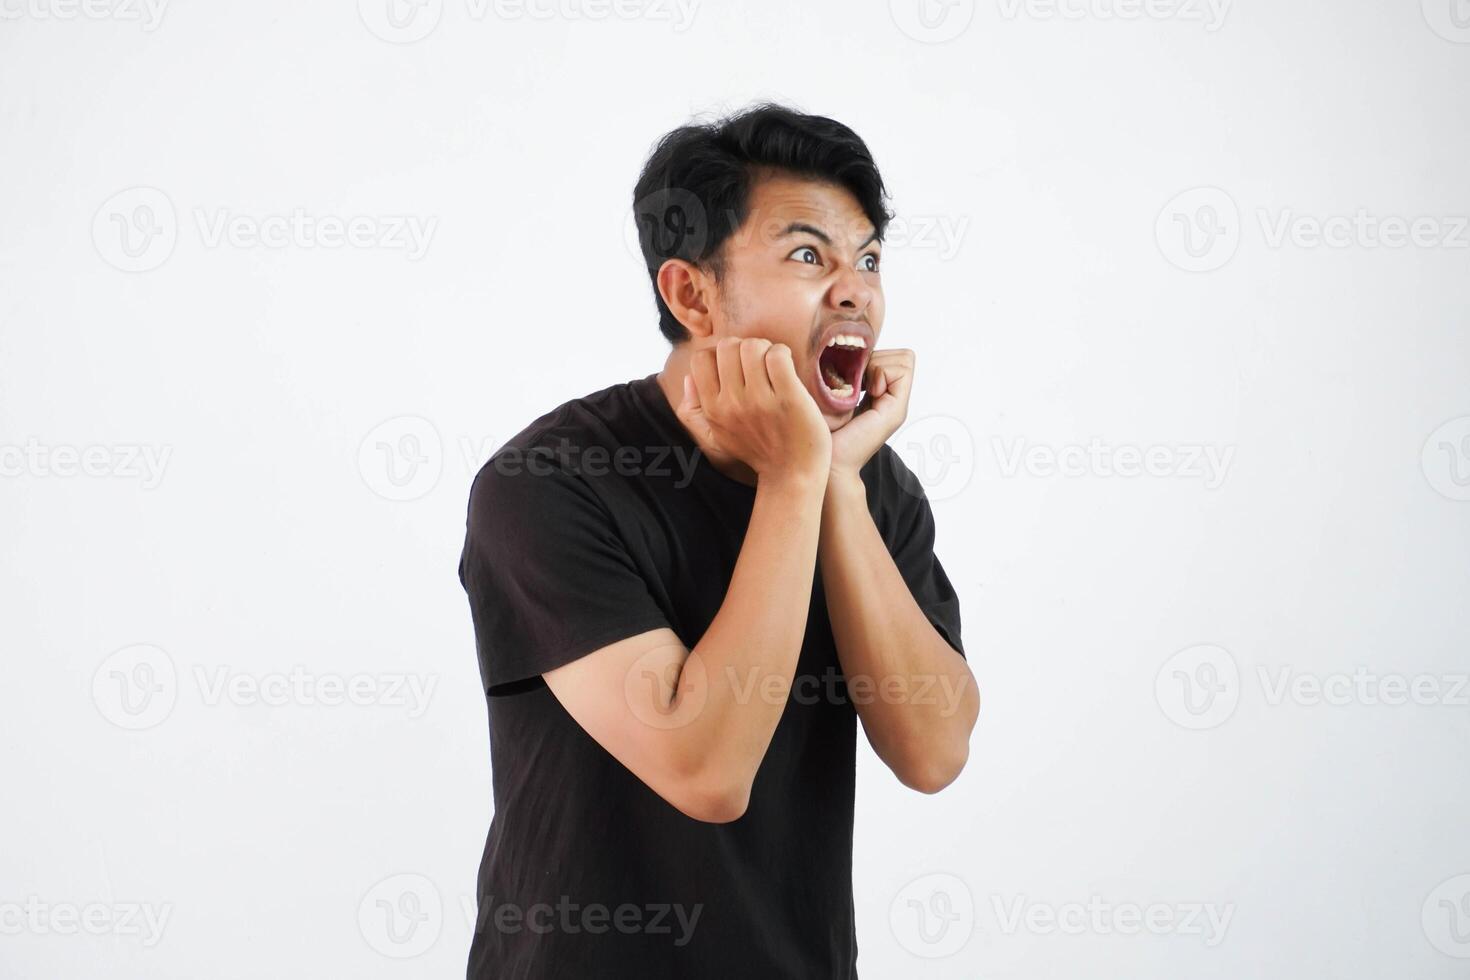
(689, 294)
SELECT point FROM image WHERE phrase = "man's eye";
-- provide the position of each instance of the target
(808, 250)
(870, 262)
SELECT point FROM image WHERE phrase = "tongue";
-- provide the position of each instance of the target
(834, 362)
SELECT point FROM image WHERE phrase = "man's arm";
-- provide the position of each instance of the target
(914, 693)
(695, 724)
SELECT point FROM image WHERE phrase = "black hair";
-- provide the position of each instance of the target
(694, 191)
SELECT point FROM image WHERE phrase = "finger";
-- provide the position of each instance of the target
(753, 363)
(781, 371)
(900, 373)
(889, 371)
(732, 375)
(706, 376)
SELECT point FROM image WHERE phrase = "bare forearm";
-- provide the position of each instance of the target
(914, 693)
(740, 672)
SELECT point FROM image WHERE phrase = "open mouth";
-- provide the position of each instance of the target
(840, 368)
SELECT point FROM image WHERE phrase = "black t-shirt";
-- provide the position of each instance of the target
(598, 521)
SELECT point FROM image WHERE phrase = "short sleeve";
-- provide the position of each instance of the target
(908, 529)
(548, 577)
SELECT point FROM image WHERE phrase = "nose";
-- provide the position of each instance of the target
(850, 291)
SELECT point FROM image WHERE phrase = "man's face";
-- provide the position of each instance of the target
(803, 271)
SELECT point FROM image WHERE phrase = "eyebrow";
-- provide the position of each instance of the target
(798, 227)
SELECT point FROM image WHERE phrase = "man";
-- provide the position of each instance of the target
(688, 588)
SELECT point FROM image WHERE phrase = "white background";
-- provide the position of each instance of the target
(1049, 163)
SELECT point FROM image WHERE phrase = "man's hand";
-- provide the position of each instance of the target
(743, 399)
(889, 377)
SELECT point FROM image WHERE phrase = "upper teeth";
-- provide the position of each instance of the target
(847, 340)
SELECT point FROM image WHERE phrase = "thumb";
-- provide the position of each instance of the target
(878, 383)
(691, 412)
(690, 402)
